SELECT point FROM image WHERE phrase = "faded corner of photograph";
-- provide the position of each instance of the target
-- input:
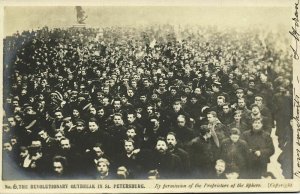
(147, 92)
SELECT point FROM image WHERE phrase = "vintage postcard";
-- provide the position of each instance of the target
(150, 96)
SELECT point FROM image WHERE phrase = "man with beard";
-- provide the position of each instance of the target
(71, 155)
(261, 148)
(183, 132)
(167, 164)
(172, 115)
(241, 106)
(183, 155)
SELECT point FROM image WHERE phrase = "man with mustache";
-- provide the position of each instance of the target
(166, 163)
(181, 153)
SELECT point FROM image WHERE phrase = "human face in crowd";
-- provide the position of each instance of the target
(171, 141)
(134, 84)
(234, 137)
(58, 168)
(68, 124)
(173, 92)
(170, 74)
(117, 104)
(258, 100)
(130, 133)
(36, 143)
(176, 106)
(93, 111)
(161, 146)
(194, 100)
(79, 127)
(210, 118)
(58, 136)
(58, 116)
(197, 91)
(220, 101)
(106, 90)
(226, 109)
(99, 153)
(154, 96)
(129, 147)
(7, 147)
(257, 125)
(240, 94)
(93, 126)
(101, 112)
(102, 168)
(255, 110)
(124, 100)
(150, 110)
(131, 118)
(105, 101)
(241, 103)
(181, 121)
(24, 153)
(251, 84)
(143, 98)
(43, 135)
(75, 113)
(15, 103)
(146, 83)
(237, 117)
(220, 167)
(118, 120)
(65, 144)
(130, 93)
(11, 121)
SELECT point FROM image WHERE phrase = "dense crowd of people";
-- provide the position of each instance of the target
(145, 103)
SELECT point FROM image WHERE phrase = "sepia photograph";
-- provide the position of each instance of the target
(150, 97)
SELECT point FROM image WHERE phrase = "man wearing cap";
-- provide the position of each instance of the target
(235, 151)
(78, 136)
(261, 148)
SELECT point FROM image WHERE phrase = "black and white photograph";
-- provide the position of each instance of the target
(149, 92)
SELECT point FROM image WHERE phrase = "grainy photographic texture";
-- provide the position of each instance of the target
(148, 92)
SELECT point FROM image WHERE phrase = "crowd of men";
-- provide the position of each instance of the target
(145, 103)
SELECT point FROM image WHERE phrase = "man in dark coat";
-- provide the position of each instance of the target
(183, 132)
(131, 160)
(166, 163)
(235, 151)
(183, 155)
(202, 151)
(261, 148)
